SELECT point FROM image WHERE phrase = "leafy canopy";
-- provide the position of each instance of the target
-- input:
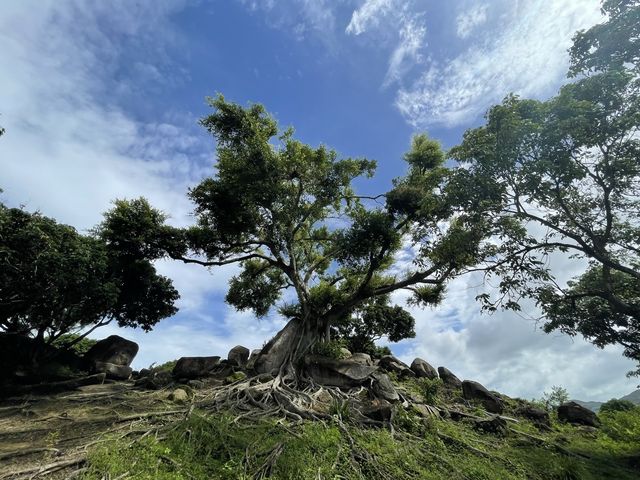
(54, 281)
(288, 215)
(563, 175)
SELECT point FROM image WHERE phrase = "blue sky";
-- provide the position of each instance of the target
(101, 100)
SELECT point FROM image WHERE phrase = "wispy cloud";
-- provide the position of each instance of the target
(381, 16)
(468, 20)
(525, 52)
(369, 15)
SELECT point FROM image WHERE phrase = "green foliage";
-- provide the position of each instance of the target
(371, 321)
(164, 367)
(330, 349)
(430, 389)
(622, 426)
(61, 281)
(556, 397)
(218, 447)
(72, 341)
(288, 215)
(568, 166)
(341, 409)
(615, 405)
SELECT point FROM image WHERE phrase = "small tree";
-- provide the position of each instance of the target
(556, 397)
(54, 281)
(287, 214)
(616, 405)
(563, 176)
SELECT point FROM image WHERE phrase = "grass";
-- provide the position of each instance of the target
(207, 446)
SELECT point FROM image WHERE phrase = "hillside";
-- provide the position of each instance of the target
(633, 397)
(120, 430)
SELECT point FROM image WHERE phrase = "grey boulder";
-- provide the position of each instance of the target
(381, 387)
(573, 412)
(195, 367)
(474, 391)
(422, 369)
(238, 355)
(113, 371)
(390, 363)
(448, 378)
(337, 373)
(113, 349)
(361, 358)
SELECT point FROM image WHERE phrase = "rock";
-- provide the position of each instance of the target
(379, 410)
(448, 378)
(196, 384)
(194, 367)
(155, 381)
(361, 358)
(573, 412)
(495, 425)
(252, 358)
(235, 377)
(238, 355)
(474, 391)
(344, 352)
(423, 410)
(423, 370)
(381, 387)
(179, 396)
(113, 349)
(537, 415)
(337, 373)
(113, 371)
(390, 363)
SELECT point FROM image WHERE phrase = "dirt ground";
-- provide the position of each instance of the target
(47, 436)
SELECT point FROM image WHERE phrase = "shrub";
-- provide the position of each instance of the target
(615, 405)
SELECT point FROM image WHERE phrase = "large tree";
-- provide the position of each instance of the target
(563, 175)
(286, 213)
(54, 281)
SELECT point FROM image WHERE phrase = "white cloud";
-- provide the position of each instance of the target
(509, 353)
(469, 19)
(524, 51)
(407, 53)
(70, 149)
(369, 15)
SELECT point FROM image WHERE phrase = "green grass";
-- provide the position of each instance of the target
(214, 447)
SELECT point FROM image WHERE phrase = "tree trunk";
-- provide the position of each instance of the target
(289, 346)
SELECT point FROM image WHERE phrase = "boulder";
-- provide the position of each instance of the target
(178, 396)
(238, 355)
(448, 378)
(474, 391)
(113, 349)
(381, 387)
(252, 358)
(496, 425)
(422, 369)
(155, 380)
(379, 410)
(337, 373)
(573, 412)
(113, 371)
(361, 358)
(194, 367)
(537, 415)
(344, 352)
(390, 363)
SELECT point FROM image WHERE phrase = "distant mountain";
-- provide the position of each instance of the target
(633, 397)
(595, 406)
